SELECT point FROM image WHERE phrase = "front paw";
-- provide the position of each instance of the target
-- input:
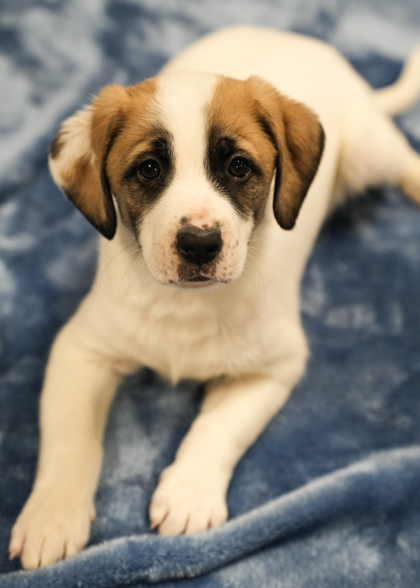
(53, 525)
(188, 500)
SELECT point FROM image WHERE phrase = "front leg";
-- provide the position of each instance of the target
(191, 494)
(78, 390)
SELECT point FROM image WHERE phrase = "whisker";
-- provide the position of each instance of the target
(135, 246)
(255, 264)
(271, 258)
(126, 276)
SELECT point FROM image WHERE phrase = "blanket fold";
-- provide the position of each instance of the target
(377, 487)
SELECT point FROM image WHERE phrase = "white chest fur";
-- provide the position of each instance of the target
(196, 333)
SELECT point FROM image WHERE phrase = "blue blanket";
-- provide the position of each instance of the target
(329, 496)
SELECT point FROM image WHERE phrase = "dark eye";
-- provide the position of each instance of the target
(238, 167)
(149, 170)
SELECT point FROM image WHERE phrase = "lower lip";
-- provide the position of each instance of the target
(200, 283)
(199, 279)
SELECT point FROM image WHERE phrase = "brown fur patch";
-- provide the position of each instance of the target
(148, 140)
(141, 139)
(274, 132)
(56, 145)
(299, 140)
(90, 179)
(234, 131)
(81, 186)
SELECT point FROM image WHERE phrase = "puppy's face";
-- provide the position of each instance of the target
(189, 159)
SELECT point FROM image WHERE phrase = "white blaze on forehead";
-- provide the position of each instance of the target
(183, 99)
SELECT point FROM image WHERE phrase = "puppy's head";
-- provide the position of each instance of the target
(189, 160)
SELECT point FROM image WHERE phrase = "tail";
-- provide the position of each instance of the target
(405, 92)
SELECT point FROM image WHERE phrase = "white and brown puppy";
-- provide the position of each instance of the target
(195, 180)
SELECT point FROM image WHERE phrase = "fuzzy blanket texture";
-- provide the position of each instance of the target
(330, 494)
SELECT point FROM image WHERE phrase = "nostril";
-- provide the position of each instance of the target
(213, 248)
(198, 246)
(186, 248)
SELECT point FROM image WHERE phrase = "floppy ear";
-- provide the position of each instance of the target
(78, 157)
(298, 138)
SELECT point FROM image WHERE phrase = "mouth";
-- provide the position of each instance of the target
(196, 280)
(199, 278)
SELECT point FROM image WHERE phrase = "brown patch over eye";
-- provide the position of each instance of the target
(146, 176)
(92, 147)
(252, 119)
(240, 156)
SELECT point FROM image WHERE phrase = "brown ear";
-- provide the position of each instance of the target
(79, 153)
(298, 138)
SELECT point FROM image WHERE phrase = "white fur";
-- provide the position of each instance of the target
(77, 129)
(244, 337)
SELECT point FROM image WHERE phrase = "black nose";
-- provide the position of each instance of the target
(198, 246)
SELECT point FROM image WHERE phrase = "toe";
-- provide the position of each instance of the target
(175, 521)
(219, 515)
(71, 549)
(52, 549)
(157, 514)
(199, 520)
(31, 553)
(16, 541)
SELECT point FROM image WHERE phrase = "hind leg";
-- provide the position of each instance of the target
(376, 153)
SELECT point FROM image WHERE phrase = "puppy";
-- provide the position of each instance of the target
(208, 186)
